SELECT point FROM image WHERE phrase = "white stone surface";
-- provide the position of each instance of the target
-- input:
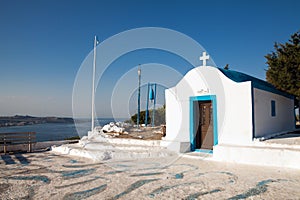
(265, 124)
(260, 154)
(234, 108)
(114, 148)
(176, 146)
(113, 128)
(234, 119)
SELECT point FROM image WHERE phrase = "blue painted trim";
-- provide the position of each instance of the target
(256, 83)
(192, 138)
(204, 151)
(213, 99)
(273, 108)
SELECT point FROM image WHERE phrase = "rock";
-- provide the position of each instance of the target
(113, 128)
(116, 134)
(106, 128)
(158, 132)
(163, 130)
(118, 129)
(98, 128)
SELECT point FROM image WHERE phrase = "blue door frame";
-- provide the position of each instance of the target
(213, 99)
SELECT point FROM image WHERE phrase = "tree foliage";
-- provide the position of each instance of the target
(159, 116)
(284, 66)
(142, 117)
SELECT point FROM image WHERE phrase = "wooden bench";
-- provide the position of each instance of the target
(18, 138)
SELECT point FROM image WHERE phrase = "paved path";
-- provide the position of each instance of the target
(51, 176)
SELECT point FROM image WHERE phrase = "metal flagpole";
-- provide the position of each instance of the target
(139, 97)
(93, 86)
(154, 102)
(147, 106)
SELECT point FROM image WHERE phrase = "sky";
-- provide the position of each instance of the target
(43, 45)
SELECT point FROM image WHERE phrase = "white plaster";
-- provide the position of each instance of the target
(177, 146)
(234, 112)
(234, 106)
(234, 109)
(266, 155)
(115, 149)
(265, 124)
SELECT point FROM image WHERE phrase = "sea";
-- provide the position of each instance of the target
(59, 131)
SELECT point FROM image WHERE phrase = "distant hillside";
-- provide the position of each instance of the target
(19, 120)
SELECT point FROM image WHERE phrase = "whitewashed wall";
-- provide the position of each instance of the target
(178, 113)
(234, 106)
(235, 127)
(174, 117)
(265, 124)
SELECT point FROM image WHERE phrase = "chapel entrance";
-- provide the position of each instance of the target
(203, 120)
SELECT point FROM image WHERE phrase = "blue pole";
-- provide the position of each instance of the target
(154, 102)
(147, 106)
(139, 97)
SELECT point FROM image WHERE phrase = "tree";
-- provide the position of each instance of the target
(142, 117)
(284, 66)
(159, 116)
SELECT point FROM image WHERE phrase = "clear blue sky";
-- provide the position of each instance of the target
(43, 43)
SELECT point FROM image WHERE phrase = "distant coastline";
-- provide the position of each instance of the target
(20, 120)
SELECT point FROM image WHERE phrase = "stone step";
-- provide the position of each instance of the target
(125, 141)
(107, 151)
(112, 146)
(199, 155)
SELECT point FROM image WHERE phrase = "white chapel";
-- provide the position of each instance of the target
(212, 107)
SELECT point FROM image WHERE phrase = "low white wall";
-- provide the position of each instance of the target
(255, 155)
(265, 123)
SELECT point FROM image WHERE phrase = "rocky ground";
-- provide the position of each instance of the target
(46, 175)
(144, 133)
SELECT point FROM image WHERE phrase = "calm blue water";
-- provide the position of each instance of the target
(54, 132)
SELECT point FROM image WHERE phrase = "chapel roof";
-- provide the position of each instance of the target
(256, 83)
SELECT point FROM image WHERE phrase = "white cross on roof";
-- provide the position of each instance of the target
(204, 57)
